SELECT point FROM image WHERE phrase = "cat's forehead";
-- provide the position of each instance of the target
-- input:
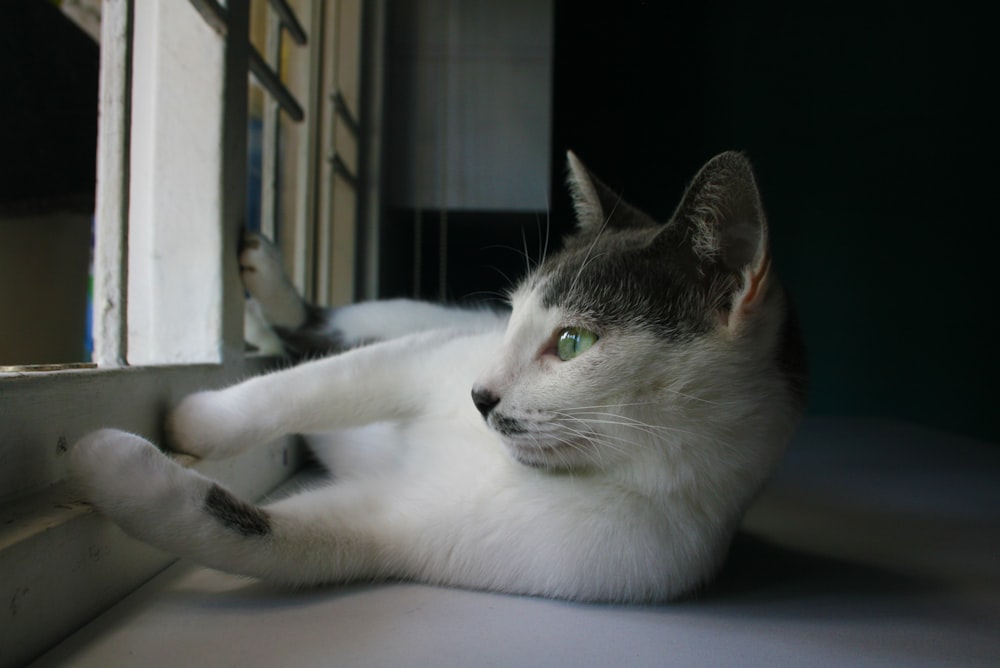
(619, 281)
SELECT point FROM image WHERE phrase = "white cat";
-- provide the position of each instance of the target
(622, 416)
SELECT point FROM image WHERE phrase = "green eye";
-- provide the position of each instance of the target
(573, 341)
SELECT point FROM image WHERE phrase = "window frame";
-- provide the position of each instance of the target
(60, 563)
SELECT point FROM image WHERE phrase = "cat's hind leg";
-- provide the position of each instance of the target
(307, 330)
(265, 279)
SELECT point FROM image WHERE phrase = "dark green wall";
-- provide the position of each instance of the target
(874, 136)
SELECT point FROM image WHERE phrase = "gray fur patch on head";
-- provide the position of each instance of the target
(622, 269)
(623, 281)
(244, 518)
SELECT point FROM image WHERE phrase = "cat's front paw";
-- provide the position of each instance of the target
(210, 424)
(124, 475)
(262, 270)
(198, 426)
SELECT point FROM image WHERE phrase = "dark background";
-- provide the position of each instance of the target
(873, 133)
(874, 137)
(48, 110)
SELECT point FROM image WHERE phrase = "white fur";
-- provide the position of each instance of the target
(625, 479)
(439, 498)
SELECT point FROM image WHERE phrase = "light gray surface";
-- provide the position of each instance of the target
(877, 544)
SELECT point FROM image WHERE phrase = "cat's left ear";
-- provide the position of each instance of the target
(726, 226)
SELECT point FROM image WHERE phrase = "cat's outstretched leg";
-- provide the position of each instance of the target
(154, 499)
(308, 330)
(377, 383)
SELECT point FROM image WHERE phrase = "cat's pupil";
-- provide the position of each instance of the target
(574, 341)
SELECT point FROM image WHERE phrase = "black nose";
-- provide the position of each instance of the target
(484, 400)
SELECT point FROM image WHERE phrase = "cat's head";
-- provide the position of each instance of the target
(641, 335)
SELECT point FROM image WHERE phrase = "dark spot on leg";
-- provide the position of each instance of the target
(242, 517)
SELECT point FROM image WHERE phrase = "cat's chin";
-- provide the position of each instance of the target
(548, 456)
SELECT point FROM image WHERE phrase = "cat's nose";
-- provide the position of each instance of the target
(484, 400)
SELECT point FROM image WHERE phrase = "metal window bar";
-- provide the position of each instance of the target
(218, 18)
(341, 168)
(289, 21)
(341, 108)
(342, 112)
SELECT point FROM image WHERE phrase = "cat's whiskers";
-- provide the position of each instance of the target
(626, 421)
(548, 226)
(649, 403)
(596, 438)
(673, 391)
(617, 443)
(578, 440)
(491, 295)
(590, 249)
(574, 443)
(527, 256)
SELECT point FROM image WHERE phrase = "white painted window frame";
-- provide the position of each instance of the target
(168, 308)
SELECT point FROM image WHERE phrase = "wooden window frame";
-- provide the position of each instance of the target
(168, 302)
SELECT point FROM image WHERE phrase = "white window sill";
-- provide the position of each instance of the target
(856, 561)
(60, 563)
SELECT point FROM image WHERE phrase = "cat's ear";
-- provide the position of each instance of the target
(725, 225)
(595, 204)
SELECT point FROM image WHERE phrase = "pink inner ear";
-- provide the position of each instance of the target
(756, 286)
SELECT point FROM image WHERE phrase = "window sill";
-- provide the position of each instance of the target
(61, 563)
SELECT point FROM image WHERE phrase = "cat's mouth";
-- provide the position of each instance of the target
(507, 426)
(537, 447)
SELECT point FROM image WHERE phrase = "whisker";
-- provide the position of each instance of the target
(600, 439)
(637, 403)
(623, 421)
(649, 430)
(593, 243)
(650, 403)
(489, 296)
(527, 255)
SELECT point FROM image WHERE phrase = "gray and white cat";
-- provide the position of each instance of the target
(621, 418)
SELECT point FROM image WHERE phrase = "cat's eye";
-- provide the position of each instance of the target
(574, 341)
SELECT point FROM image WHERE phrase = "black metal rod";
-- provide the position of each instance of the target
(289, 21)
(340, 167)
(270, 81)
(342, 110)
(215, 15)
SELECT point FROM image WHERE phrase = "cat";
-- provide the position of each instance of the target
(599, 442)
